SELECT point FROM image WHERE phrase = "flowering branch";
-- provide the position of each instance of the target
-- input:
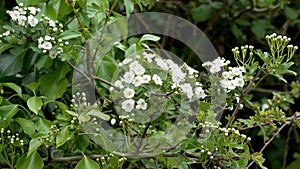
(244, 92)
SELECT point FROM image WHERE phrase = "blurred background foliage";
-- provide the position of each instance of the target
(231, 23)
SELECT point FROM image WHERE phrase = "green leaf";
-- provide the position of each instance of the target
(83, 118)
(35, 104)
(294, 165)
(34, 144)
(54, 84)
(99, 114)
(61, 8)
(291, 13)
(87, 163)
(201, 13)
(7, 112)
(50, 12)
(27, 126)
(43, 126)
(62, 136)
(107, 67)
(14, 87)
(149, 37)
(4, 47)
(131, 50)
(258, 159)
(129, 6)
(32, 161)
(69, 34)
(11, 64)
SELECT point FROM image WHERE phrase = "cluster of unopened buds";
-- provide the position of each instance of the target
(12, 139)
(278, 43)
(227, 131)
(149, 69)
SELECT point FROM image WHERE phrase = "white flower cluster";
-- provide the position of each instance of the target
(230, 79)
(216, 65)
(34, 23)
(24, 15)
(140, 72)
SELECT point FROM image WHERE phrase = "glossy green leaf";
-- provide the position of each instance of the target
(69, 34)
(32, 161)
(34, 144)
(99, 114)
(87, 163)
(129, 6)
(7, 112)
(27, 126)
(35, 104)
(62, 136)
(11, 64)
(14, 87)
(61, 8)
(149, 37)
(54, 84)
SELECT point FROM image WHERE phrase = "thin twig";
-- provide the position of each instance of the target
(272, 138)
(102, 32)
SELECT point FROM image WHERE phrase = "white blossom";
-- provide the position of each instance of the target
(137, 81)
(157, 80)
(118, 84)
(177, 76)
(128, 77)
(146, 78)
(32, 21)
(128, 93)
(14, 15)
(141, 104)
(47, 45)
(128, 105)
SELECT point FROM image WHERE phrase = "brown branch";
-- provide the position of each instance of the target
(102, 32)
(272, 138)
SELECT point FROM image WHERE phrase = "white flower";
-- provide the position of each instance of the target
(6, 33)
(113, 121)
(21, 20)
(137, 81)
(118, 84)
(47, 37)
(215, 68)
(187, 89)
(128, 77)
(128, 105)
(148, 56)
(14, 15)
(137, 68)
(47, 45)
(157, 80)
(128, 93)
(146, 78)
(32, 10)
(32, 21)
(161, 63)
(264, 107)
(199, 93)
(239, 82)
(126, 61)
(52, 23)
(177, 76)
(141, 104)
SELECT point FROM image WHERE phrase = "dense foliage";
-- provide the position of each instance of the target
(79, 91)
